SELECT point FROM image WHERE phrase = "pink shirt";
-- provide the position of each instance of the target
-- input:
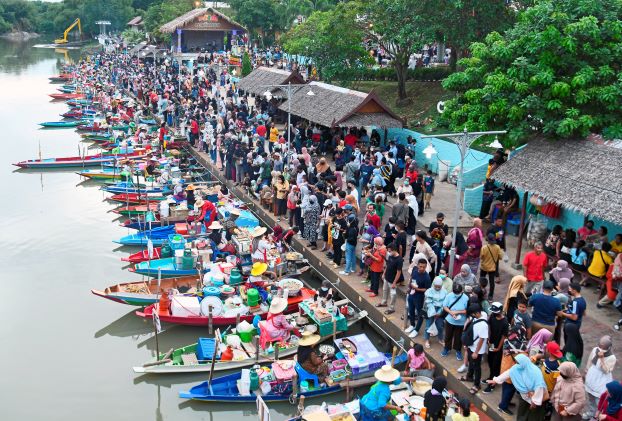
(415, 361)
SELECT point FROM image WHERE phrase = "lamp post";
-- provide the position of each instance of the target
(288, 87)
(464, 141)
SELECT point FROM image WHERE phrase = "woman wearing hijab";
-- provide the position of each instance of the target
(538, 342)
(475, 242)
(434, 401)
(560, 271)
(600, 365)
(527, 379)
(610, 403)
(573, 344)
(465, 277)
(461, 250)
(516, 292)
(322, 168)
(568, 397)
(311, 221)
(413, 210)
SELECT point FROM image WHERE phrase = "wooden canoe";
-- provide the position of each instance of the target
(64, 96)
(147, 292)
(135, 198)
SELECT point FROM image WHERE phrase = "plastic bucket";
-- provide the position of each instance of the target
(246, 337)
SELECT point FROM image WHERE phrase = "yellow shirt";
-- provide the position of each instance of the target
(281, 190)
(459, 417)
(600, 261)
(274, 134)
(490, 254)
(615, 247)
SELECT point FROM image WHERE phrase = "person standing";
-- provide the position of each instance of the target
(545, 309)
(568, 397)
(455, 305)
(476, 350)
(534, 264)
(498, 331)
(400, 210)
(420, 282)
(377, 256)
(610, 403)
(282, 189)
(311, 221)
(339, 230)
(433, 301)
(490, 256)
(351, 234)
(577, 306)
(600, 365)
(392, 276)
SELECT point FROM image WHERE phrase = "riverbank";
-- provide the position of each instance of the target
(19, 36)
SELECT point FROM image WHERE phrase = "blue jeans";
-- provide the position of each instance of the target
(415, 306)
(440, 324)
(507, 393)
(350, 258)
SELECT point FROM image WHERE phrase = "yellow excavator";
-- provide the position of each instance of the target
(75, 23)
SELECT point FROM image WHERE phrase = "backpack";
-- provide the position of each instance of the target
(467, 335)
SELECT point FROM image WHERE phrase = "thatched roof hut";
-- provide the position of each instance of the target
(331, 105)
(580, 175)
(195, 20)
(259, 80)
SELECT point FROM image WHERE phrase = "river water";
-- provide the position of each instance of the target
(66, 354)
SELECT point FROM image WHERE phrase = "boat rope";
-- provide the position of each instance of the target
(399, 344)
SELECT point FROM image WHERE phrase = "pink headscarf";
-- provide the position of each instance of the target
(540, 339)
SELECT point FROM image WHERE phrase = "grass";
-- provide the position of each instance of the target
(424, 96)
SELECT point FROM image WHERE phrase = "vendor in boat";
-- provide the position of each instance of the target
(207, 212)
(151, 168)
(275, 328)
(261, 244)
(178, 191)
(376, 404)
(259, 270)
(214, 232)
(190, 200)
(310, 360)
(325, 292)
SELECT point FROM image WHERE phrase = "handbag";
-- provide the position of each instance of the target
(444, 313)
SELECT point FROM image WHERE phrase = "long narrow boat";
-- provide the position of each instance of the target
(198, 320)
(225, 388)
(136, 199)
(60, 78)
(136, 210)
(102, 174)
(143, 256)
(177, 364)
(65, 96)
(80, 102)
(61, 124)
(77, 161)
(127, 187)
(147, 292)
(167, 268)
(158, 236)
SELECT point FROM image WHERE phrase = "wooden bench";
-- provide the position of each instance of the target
(585, 274)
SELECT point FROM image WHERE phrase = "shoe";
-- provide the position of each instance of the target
(413, 334)
(489, 389)
(462, 368)
(459, 356)
(372, 295)
(616, 327)
(598, 305)
(426, 345)
(444, 352)
(369, 290)
(409, 329)
(505, 411)
(278, 219)
(343, 272)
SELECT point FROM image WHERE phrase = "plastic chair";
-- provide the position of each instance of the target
(305, 375)
(216, 254)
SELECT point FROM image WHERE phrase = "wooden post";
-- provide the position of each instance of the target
(295, 386)
(523, 213)
(210, 320)
(211, 371)
(393, 354)
(334, 328)
(276, 352)
(237, 320)
(256, 343)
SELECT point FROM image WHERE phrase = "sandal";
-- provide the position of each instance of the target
(387, 312)
(465, 379)
(474, 390)
(381, 305)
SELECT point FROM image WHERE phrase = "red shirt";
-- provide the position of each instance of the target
(378, 266)
(350, 140)
(194, 127)
(585, 232)
(373, 220)
(261, 131)
(603, 404)
(534, 266)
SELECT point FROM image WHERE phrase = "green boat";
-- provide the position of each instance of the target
(62, 124)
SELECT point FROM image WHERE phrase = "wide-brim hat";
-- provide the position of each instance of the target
(308, 339)
(215, 225)
(234, 211)
(387, 374)
(258, 268)
(278, 305)
(259, 231)
(199, 202)
(190, 187)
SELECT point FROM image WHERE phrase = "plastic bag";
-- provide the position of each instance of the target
(433, 330)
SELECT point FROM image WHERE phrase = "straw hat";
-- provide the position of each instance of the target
(190, 187)
(308, 339)
(387, 374)
(278, 305)
(215, 225)
(198, 203)
(258, 268)
(259, 231)
(234, 211)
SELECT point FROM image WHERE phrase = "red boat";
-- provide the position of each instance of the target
(136, 210)
(135, 199)
(198, 320)
(142, 256)
(67, 96)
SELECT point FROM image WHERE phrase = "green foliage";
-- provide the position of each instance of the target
(132, 36)
(247, 66)
(556, 72)
(333, 40)
(162, 12)
(259, 16)
(419, 73)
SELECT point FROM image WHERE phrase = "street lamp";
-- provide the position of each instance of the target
(495, 143)
(429, 151)
(464, 141)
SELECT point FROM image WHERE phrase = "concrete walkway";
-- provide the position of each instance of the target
(597, 322)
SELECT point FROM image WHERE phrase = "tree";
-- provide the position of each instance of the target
(259, 16)
(162, 12)
(247, 67)
(333, 41)
(401, 28)
(556, 72)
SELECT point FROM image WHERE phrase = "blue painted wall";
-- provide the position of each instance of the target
(472, 200)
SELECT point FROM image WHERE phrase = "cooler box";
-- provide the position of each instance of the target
(176, 241)
(512, 227)
(181, 228)
(205, 348)
(183, 306)
(367, 358)
(246, 220)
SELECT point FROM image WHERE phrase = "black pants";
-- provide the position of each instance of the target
(475, 368)
(491, 282)
(281, 207)
(494, 363)
(337, 252)
(526, 413)
(453, 337)
(375, 281)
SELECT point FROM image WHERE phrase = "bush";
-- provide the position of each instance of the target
(419, 73)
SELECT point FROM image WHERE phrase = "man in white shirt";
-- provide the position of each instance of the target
(478, 348)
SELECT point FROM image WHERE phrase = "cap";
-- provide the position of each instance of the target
(348, 207)
(496, 307)
(553, 349)
(328, 202)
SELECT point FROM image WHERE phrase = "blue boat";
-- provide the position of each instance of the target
(141, 225)
(158, 237)
(225, 388)
(128, 187)
(166, 267)
(149, 122)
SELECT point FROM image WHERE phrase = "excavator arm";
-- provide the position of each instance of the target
(73, 25)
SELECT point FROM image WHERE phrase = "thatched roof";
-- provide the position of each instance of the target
(259, 80)
(581, 175)
(192, 16)
(335, 106)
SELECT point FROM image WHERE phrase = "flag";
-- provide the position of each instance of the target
(156, 319)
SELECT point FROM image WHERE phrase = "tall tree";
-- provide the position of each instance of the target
(556, 72)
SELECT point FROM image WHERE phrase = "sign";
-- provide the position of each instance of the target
(208, 18)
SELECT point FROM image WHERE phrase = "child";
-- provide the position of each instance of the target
(365, 261)
(428, 184)
(287, 238)
(418, 364)
(379, 207)
(521, 316)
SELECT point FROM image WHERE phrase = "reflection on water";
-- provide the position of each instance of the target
(16, 56)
